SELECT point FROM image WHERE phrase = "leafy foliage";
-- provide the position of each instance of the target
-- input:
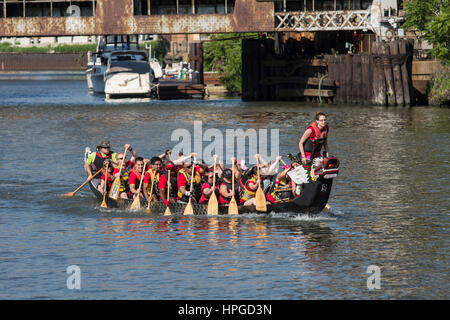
(159, 49)
(431, 18)
(439, 93)
(223, 54)
(62, 48)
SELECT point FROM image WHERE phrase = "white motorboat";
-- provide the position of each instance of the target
(119, 69)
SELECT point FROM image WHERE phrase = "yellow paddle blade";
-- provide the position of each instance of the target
(260, 200)
(167, 212)
(233, 208)
(213, 205)
(68, 195)
(189, 210)
(103, 205)
(136, 205)
(115, 188)
(148, 209)
(327, 208)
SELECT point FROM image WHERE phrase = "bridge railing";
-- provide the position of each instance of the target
(322, 20)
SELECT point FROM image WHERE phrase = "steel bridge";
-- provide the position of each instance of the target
(95, 17)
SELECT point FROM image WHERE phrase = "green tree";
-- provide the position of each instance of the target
(223, 54)
(431, 18)
(159, 49)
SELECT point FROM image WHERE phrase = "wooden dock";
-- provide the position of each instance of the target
(180, 89)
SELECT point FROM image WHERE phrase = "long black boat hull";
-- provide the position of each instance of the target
(312, 201)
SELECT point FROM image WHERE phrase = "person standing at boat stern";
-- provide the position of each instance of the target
(314, 138)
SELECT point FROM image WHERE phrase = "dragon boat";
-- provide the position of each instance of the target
(312, 200)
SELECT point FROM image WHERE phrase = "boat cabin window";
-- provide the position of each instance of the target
(118, 42)
(128, 57)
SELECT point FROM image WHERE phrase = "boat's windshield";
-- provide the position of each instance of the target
(135, 56)
(118, 42)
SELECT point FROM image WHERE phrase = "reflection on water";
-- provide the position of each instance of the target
(389, 198)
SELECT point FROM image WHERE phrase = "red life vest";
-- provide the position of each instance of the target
(204, 198)
(316, 139)
(222, 198)
(98, 161)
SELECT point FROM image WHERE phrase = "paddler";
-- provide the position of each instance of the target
(95, 160)
(153, 174)
(314, 138)
(162, 186)
(207, 189)
(184, 183)
(106, 178)
(249, 188)
(134, 178)
(284, 187)
(124, 172)
(226, 187)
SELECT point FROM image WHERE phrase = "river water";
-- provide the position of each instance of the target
(390, 204)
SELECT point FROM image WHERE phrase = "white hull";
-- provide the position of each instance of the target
(98, 84)
(120, 68)
(89, 82)
(95, 79)
(128, 84)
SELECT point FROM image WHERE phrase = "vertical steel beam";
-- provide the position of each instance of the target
(148, 7)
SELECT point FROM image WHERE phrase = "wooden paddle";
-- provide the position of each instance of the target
(260, 197)
(232, 207)
(136, 205)
(71, 194)
(213, 205)
(103, 205)
(148, 210)
(168, 212)
(189, 210)
(115, 187)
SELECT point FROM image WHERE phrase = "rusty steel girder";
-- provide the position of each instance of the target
(117, 17)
